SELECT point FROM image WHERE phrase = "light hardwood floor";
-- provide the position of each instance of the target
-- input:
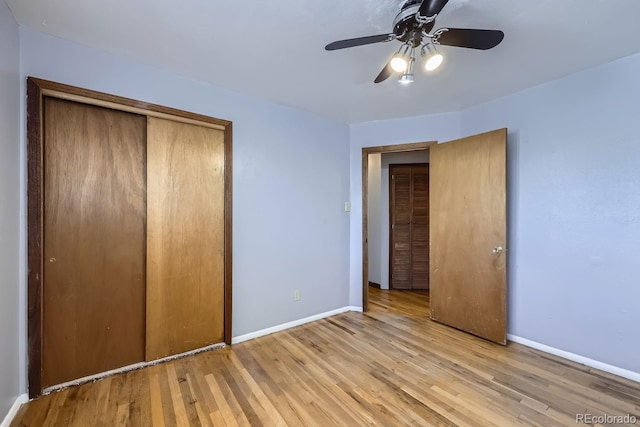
(391, 366)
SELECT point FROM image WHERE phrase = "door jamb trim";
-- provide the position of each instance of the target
(400, 148)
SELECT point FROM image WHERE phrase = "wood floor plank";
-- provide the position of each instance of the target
(57, 409)
(157, 415)
(179, 407)
(273, 416)
(205, 396)
(390, 366)
(225, 410)
(141, 398)
(168, 411)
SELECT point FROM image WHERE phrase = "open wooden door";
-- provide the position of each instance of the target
(468, 234)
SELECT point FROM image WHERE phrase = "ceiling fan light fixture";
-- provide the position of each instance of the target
(399, 61)
(432, 58)
(407, 77)
(433, 62)
(399, 64)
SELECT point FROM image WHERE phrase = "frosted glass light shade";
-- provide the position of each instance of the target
(399, 64)
(433, 61)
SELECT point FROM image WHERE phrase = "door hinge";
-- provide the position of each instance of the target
(392, 225)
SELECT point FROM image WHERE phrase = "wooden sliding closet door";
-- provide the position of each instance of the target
(185, 237)
(94, 238)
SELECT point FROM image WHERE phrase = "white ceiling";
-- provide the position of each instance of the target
(275, 49)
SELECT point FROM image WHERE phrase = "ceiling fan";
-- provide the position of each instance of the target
(413, 27)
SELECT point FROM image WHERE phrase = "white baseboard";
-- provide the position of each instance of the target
(283, 326)
(634, 376)
(23, 398)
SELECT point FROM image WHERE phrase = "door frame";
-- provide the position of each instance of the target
(382, 149)
(37, 89)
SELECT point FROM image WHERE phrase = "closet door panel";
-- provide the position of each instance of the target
(400, 233)
(420, 227)
(94, 238)
(185, 237)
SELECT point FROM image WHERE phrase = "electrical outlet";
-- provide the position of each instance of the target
(296, 295)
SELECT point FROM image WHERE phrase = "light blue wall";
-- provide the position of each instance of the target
(574, 206)
(10, 373)
(574, 252)
(290, 180)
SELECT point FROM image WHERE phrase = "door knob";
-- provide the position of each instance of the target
(498, 250)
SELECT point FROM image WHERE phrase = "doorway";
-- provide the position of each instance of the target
(402, 148)
(467, 232)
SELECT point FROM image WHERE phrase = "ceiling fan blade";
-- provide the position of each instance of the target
(385, 73)
(428, 8)
(466, 37)
(359, 41)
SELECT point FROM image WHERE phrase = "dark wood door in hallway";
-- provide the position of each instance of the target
(409, 226)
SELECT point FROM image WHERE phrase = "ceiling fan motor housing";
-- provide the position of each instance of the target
(407, 28)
